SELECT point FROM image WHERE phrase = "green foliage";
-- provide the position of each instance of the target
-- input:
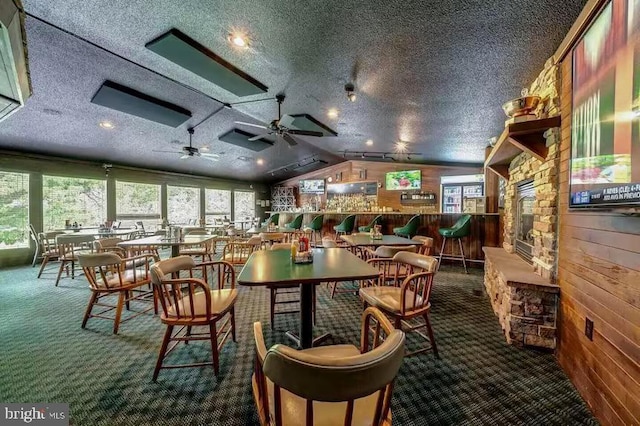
(14, 209)
(74, 199)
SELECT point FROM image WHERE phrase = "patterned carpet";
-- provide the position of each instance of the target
(106, 379)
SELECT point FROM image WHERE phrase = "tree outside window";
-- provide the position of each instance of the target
(14, 210)
(244, 205)
(73, 199)
(138, 202)
(217, 204)
(183, 204)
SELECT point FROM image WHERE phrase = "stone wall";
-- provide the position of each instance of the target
(527, 312)
(545, 180)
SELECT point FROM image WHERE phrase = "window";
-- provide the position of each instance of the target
(183, 205)
(218, 204)
(14, 210)
(138, 202)
(73, 200)
(244, 204)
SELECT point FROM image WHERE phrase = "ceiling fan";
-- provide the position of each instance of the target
(190, 151)
(281, 127)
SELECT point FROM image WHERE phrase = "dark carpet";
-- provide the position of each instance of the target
(106, 379)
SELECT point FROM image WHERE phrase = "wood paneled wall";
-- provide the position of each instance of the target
(353, 170)
(599, 277)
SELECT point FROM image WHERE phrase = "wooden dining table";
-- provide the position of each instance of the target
(365, 240)
(275, 268)
(163, 241)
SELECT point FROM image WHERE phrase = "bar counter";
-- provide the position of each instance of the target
(485, 229)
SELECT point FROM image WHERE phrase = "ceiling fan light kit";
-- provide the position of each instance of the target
(351, 92)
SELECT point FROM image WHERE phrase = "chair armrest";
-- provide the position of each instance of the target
(226, 272)
(382, 322)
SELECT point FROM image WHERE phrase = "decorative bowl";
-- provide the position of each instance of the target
(521, 106)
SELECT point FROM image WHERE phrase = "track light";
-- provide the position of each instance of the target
(351, 94)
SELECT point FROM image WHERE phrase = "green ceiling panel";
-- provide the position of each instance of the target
(191, 55)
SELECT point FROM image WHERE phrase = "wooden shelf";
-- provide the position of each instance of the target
(526, 136)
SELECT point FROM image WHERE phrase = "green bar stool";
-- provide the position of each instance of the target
(346, 226)
(459, 230)
(274, 218)
(410, 229)
(315, 227)
(374, 222)
(295, 223)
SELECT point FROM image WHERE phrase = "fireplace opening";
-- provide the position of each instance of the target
(525, 199)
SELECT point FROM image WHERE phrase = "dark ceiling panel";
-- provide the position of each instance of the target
(121, 98)
(241, 138)
(307, 122)
(191, 55)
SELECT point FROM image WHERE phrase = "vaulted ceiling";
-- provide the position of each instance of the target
(432, 73)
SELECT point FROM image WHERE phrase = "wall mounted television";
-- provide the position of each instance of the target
(605, 125)
(403, 181)
(312, 186)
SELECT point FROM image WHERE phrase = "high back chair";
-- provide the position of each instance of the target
(48, 248)
(296, 223)
(69, 246)
(108, 275)
(291, 294)
(346, 226)
(458, 231)
(376, 221)
(315, 227)
(410, 229)
(274, 218)
(329, 385)
(426, 244)
(110, 244)
(189, 302)
(408, 298)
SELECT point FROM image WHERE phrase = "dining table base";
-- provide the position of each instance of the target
(304, 338)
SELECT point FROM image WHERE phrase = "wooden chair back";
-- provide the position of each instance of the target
(109, 245)
(237, 253)
(106, 271)
(177, 294)
(426, 244)
(69, 245)
(416, 287)
(336, 380)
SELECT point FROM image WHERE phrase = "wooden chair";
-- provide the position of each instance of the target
(189, 302)
(426, 244)
(109, 274)
(48, 249)
(69, 246)
(109, 245)
(329, 385)
(237, 253)
(293, 290)
(406, 299)
(205, 250)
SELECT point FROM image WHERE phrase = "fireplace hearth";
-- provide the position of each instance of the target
(525, 201)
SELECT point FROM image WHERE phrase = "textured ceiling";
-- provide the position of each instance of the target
(432, 73)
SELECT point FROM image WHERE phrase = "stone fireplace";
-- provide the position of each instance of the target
(520, 276)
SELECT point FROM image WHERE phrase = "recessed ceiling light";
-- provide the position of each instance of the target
(401, 146)
(238, 39)
(106, 125)
(332, 113)
(260, 161)
(369, 142)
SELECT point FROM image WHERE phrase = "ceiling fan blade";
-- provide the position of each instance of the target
(286, 121)
(210, 158)
(305, 133)
(171, 152)
(260, 126)
(255, 138)
(290, 140)
(185, 157)
(208, 154)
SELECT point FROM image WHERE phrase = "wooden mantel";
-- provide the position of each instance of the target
(526, 136)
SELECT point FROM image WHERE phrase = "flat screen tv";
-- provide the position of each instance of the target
(403, 181)
(312, 186)
(605, 125)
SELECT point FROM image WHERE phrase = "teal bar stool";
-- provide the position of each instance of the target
(374, 222)
(274, 218)
(346, 226)
(459, 230)
(410, 229)
(316, 227)
(295, 223)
